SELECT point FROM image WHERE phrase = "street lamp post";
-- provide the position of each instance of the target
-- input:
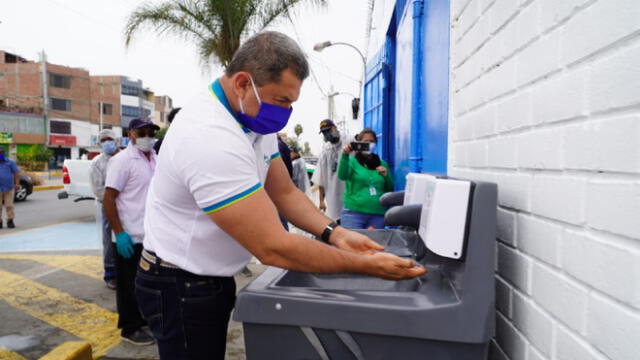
(355, 104)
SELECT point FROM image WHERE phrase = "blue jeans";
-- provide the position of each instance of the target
(108, 257)
(187, 313)
(357, 220)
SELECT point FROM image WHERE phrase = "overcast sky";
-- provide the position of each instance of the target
(89, 34)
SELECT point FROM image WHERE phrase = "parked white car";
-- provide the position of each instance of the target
(76, 180)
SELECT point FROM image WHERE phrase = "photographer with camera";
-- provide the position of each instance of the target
(367, 177)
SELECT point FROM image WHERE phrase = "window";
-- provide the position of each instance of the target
(60, 127)
(107, 109)
(60, 81)
(60, 104)
(131, 90)
(146, 113)
(130, 111)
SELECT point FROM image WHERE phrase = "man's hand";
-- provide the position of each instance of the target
(382, 170)
(354, 242)
(391, 267)
(323, 206)
(124, 244)
(16, 187)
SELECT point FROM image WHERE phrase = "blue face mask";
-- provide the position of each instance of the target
(270, 119)
(109, 147)
(2, 157)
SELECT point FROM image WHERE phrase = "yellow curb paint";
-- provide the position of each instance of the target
(47, 187)
(70, 350)
(82, 319)
(10, 355)
(86, 265)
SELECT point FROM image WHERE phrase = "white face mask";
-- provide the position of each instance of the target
(145, 144)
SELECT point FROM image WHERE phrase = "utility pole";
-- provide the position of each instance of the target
(45, 95)
(101, 112)
(330, 103)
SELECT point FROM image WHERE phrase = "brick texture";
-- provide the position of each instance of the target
(545, 103)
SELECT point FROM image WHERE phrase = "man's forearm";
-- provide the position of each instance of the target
(321, 192)
(292, 253)
(17, 179)
(296, 207)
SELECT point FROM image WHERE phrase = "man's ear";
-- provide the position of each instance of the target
(241, 83)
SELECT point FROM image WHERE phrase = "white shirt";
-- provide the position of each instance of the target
(130, 172)
(326, 175)
(208, 162)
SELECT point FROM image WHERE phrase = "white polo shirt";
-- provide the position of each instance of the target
(208, 162)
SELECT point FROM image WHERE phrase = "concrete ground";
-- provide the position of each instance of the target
(51, 288)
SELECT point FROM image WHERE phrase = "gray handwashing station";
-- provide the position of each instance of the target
(448, 226)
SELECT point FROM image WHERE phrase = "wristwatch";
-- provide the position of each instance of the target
(327, 231)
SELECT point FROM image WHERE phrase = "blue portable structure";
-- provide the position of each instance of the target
(407, 89)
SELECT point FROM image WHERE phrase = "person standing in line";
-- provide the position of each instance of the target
(214, 201)
(172, 114)
(367, 177)
(128, 176)
(9, 184)
(299, 177)
(109, 142)
(331, 188)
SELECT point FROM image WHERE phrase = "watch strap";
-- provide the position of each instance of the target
(327, 231)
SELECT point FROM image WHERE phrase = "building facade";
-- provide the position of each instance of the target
(22, 123)
(163, 106)
(66, 108)
(540, 97)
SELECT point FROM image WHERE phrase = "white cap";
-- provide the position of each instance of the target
(107, 133)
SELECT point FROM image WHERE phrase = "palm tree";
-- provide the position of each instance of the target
(216, 26)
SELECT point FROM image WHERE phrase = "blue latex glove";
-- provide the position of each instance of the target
(124, 244)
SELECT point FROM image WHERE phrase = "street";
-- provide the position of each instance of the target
(43, 208)
(52, 296)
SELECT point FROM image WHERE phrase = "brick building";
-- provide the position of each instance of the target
(74, 101)
(22, 123)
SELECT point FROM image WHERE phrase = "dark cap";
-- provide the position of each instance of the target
(138, 123)
(326, 125)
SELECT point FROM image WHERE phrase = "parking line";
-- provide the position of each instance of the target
(86, 265)
(10, 355)
(82, 319)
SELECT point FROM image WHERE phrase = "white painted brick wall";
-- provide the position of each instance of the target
(545, 102)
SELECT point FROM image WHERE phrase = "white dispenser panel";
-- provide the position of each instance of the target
(444, 215)
(415, 188)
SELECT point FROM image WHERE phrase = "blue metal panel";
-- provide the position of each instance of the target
(403, 95)
(435, 91)
(376, 102)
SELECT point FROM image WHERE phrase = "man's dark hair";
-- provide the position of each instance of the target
(266, 55)
(172, 114)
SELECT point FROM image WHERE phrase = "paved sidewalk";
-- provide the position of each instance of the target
(51, 296)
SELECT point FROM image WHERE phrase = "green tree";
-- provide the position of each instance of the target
(298, 130)
(160, 134)
(35, 157)
(216, 27)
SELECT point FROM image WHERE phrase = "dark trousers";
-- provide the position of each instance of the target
(129, 317)
(188, 314)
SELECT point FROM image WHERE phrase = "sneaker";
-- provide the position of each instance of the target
(10, 224)
(111, 284)
(138, 337)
